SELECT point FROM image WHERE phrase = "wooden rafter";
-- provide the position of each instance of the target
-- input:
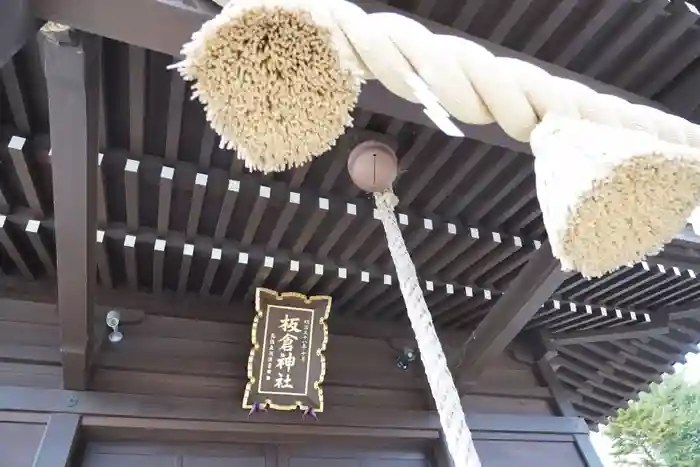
(562, 399)
(73, 109)
(605, 335)
(17, 25)
(534, 285)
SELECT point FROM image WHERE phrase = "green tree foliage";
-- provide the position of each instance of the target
(661, 429)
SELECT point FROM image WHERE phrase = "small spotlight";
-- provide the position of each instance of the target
(112, 320)
(407, 356)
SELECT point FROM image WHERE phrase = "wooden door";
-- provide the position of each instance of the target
(18, 443)
(320, 456)
(167, 455)
(252, 455)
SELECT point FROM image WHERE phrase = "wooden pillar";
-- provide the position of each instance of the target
(58, 442)
(72, 62)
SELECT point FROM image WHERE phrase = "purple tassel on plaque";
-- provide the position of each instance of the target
(257, 408)
(309, 411)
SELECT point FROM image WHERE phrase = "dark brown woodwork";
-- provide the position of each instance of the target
(534, 285)
(73, 108)
(17, 24)
(562, 398)
(17, 148)
(617, 333)
(161, 232)
(58, 442)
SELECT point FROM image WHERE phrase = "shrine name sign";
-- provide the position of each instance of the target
(287, 365)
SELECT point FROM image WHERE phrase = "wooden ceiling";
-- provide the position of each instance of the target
(178, 216)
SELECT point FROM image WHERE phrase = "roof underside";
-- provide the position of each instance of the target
(469, 210)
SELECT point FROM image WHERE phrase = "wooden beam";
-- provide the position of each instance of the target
(132, 21)
(524, 296)
(686, 311)
(58, 442)
(17, 25)
(73, 110)
(617, 333)
(161, 413)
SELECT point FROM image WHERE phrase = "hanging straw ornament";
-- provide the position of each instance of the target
(279, 78)
(277, 81)
(608, 195)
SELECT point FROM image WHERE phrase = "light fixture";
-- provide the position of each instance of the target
(405, 358)
(112, 321)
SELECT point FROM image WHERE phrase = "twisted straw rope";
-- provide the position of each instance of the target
(457, 435)
(471, 83)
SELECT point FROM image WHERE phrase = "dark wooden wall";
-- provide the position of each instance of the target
(511, 411)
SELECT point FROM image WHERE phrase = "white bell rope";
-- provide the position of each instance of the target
(280, 78)
(457, 435)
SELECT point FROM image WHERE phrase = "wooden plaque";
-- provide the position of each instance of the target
(287, 364)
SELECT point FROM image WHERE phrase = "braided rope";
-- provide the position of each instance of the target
(471, 83)
(449, 407)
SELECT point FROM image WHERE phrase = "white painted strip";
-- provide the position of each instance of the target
(216, 254)
(201, 179)
(132, 165)
(188, 249)
(159, 245)
(129, 241)
(167, 172)
(32, 226)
